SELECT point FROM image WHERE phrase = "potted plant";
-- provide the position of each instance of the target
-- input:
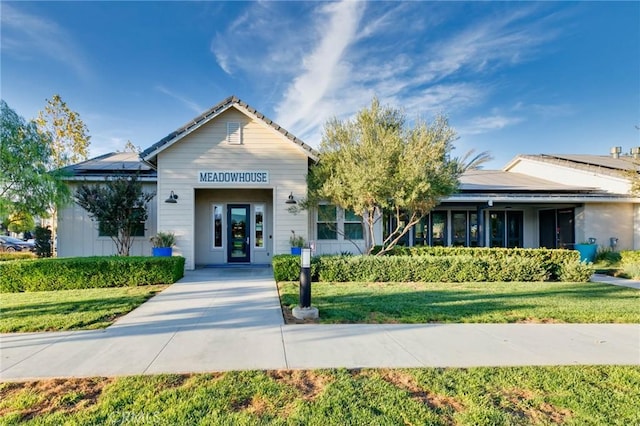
(162, 243)
(587, 250)
(296, 242)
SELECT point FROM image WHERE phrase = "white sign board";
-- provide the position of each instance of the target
(230, 177)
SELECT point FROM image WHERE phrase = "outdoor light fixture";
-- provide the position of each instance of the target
(291, 200)
(173, 198)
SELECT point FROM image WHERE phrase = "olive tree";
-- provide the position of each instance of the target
(377, 162)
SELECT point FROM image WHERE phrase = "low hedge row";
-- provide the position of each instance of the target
(630, 257)
(88, 272)
(16, 256)
(473, 265)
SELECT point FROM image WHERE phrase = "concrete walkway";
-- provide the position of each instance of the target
(621, 282)
(230, 319)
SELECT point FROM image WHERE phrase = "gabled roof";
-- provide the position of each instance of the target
(149, 154)
(603, 164)
(113, 163)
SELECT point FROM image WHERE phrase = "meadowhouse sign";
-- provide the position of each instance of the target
(233, 176)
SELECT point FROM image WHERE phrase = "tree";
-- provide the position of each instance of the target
(27, 187)
(69, 142)
(377, 163)
(68, 134)
(119, 205)
(130, 147)
(19, 223)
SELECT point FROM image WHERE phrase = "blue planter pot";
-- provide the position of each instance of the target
(296, 251)
(587, 252)
(161, 251)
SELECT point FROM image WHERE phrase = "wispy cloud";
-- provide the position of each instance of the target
(324, 68)
(332, 59)
(479, 125)
(187, 102)
(28, 35)
(266, 40)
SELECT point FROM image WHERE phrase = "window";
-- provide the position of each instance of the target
(136, 231)
(439, 228)
(421, 232)
(459, 225)
(234, 133)
(352, 226)
(217, 225)
(514, 229)
(259, 225)
(474, 233)
(506, 229)
(496, 222)
(327, 222)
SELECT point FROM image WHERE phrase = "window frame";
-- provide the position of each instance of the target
(213, 226)
(320, 222)
(355, 220)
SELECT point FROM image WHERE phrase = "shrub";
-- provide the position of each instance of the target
(88, 272)
(578, 272)
(286, 267)
(438, 264)
(630, 257)
(163, 239)
(607, 257)
(43, 241)
(16, 256)
(632, 271)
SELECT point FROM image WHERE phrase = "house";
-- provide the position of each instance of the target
(225, 183)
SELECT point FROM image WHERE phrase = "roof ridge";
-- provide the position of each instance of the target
(212, 112)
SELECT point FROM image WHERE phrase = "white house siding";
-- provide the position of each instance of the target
(605, 220)
(206, 148)
(341, 244)
(568, 175)
(78, 234)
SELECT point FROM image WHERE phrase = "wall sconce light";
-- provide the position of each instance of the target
(490, 203)
(173, 198)
(291, 200)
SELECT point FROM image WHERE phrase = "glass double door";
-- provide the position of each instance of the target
(239, 233)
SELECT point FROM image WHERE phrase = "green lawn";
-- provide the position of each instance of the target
(469, 302)
(574, 395)
(70, 309)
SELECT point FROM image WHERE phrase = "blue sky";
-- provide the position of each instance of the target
(517, 77)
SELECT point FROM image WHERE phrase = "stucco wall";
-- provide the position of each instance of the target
(605, 220)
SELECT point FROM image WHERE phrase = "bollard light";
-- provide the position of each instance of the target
(305, 258)
(304, 310)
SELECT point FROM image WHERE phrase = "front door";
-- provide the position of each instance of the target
(238, 216)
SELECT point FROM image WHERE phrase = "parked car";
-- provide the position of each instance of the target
(15, 244)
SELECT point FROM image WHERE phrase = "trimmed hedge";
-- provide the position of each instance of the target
(630, 257)
(16, 256)
(442, 264)
(88, 272)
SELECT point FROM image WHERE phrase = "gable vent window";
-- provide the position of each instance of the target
(234, 133)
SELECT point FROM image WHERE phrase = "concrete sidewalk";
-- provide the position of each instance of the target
(230, 319)
(620, 282)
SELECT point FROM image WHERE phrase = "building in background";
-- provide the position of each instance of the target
(225, 183)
